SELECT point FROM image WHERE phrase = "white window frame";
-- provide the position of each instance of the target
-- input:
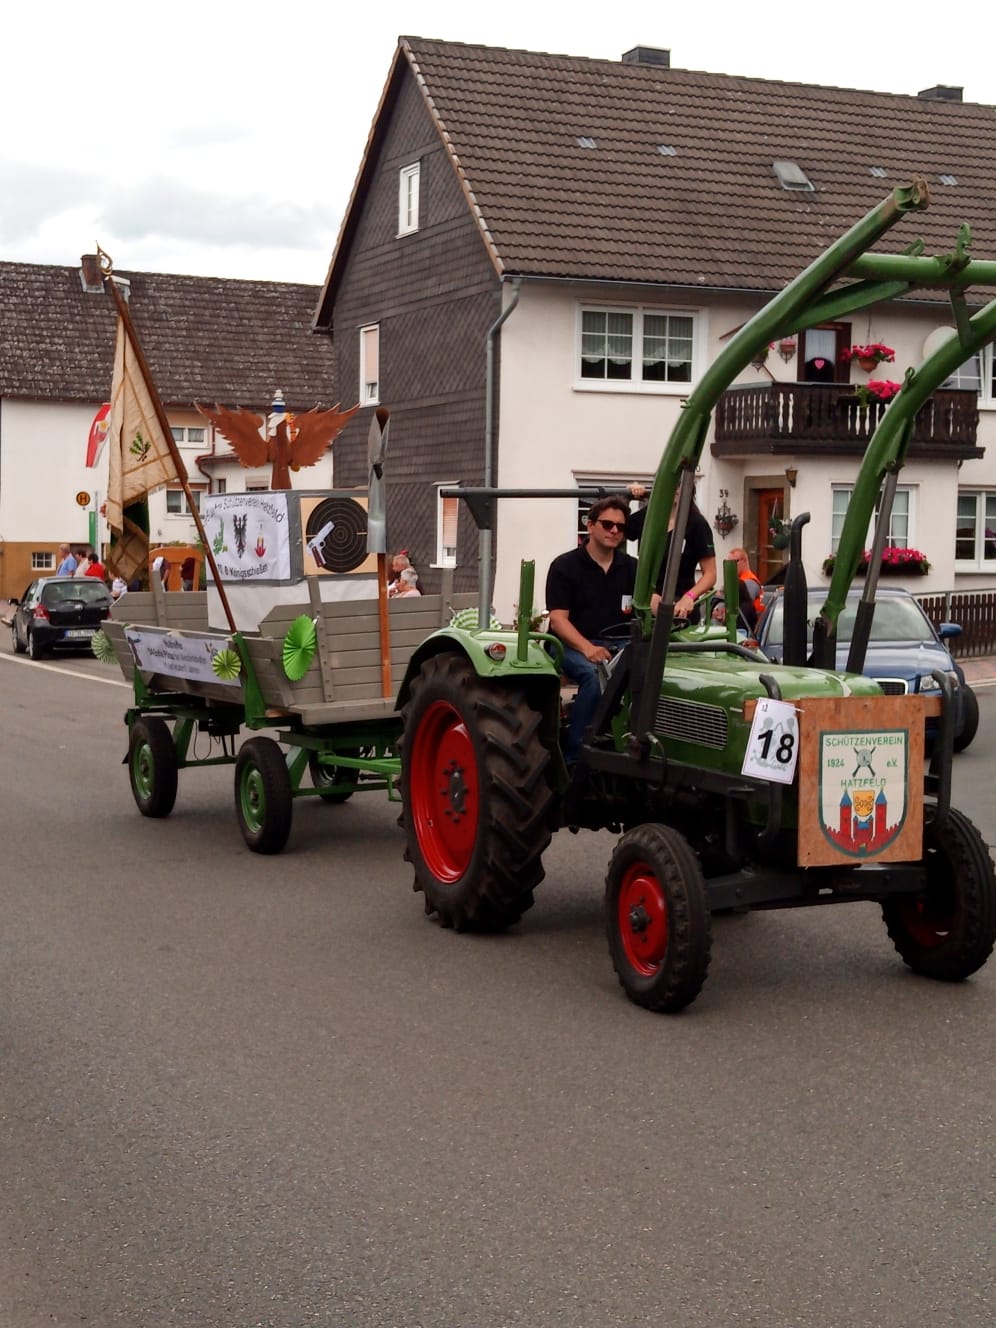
(42, 560)
(446, 554)
(898, 538)
(369, 390)
(184, 512)
(409, 181)
(980, 563)
(985, 372)
(189, 435)
(639, 313)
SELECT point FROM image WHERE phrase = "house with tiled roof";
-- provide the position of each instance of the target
(542, 253)
(206, 339)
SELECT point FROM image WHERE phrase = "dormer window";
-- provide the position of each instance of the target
(408, 182)
(791, 176)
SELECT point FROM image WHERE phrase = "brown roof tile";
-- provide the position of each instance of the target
(208, 339)
(713, 213)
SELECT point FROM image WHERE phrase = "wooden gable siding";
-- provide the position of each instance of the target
(434, 294)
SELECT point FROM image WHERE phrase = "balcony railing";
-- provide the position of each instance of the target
(787, 417)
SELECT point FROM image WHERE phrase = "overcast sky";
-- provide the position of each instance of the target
(223, 139)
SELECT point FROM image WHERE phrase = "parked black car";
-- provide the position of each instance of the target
(58, 613)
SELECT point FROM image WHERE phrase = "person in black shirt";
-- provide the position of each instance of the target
(589, 590)
(697, 565)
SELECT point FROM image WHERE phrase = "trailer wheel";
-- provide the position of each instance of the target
(324, 777)
(657, 918)
(969, 719)
(263, 795)
(947, 931)
(476, 801)
(152, 767)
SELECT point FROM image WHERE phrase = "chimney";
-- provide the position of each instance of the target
(942, 92)
(649, 55)
(90, 277)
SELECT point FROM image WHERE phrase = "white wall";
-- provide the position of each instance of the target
(552, 430)
(42, 468)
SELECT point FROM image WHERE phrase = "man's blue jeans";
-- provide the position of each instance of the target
(585, 674)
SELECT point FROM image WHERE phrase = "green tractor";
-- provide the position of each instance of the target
(734, 783)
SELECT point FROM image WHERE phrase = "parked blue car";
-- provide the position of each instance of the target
(903, 650)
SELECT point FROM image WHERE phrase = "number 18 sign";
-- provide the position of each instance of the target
(773, 745)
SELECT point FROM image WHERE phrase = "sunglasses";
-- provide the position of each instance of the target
(611, 525)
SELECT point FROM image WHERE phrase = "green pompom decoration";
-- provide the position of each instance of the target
(466, 620)
(226, 664)
(100, 644)
(300, 645)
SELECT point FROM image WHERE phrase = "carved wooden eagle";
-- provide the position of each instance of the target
(287, 442)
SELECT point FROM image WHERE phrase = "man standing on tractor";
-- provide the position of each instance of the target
(588, 591)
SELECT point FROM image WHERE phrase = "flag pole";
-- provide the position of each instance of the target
(166, 427)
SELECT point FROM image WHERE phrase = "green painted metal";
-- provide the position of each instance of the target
(787, 311)
(527, 578)
(888, 446)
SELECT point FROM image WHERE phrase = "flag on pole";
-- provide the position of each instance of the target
(140, 457)
(98, 435)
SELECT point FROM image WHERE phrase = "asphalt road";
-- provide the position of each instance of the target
(247, 1091)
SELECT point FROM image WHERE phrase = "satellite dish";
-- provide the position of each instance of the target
(936, 339)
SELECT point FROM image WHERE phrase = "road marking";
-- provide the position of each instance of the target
(65, 673)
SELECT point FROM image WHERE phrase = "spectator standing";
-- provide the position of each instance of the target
(67, 562)
(95, 567)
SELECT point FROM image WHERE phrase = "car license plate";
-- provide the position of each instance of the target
(80, 631)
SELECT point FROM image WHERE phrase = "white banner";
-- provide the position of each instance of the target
(249, 534)
(177, 656)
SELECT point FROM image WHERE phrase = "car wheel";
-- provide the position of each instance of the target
(969, 720)
(35, 651)
(15, 640)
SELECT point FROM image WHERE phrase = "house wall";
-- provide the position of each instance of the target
(555, 432)
(434, 294)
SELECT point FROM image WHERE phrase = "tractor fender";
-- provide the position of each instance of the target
(538, 672)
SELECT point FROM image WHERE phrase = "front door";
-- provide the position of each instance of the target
(770, 513)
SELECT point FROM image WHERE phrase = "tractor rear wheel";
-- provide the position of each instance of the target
(263, 795)
(657, 918)
(947, 931)
(475, 795)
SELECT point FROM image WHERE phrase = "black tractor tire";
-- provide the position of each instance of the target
(947, 931)
(657, 918)
(152, 767)
(969, 718)
(15, 641)
(35, 651)
(475, 795)
(264, 800)
(324, 777)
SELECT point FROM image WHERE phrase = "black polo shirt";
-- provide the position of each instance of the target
(698, 545)
(594, 600)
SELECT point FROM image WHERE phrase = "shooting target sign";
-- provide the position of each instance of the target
(335, 537)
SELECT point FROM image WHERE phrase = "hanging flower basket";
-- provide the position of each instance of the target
(780, 532)
(874, 353)
(895, 562)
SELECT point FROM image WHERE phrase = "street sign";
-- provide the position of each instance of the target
(83, 498)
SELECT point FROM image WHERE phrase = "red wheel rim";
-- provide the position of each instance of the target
(926, 925)
(443, 791)
(642, 919)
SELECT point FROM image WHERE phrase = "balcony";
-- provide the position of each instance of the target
(772, 418)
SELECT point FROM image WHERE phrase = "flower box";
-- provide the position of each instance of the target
(895, 562)
(868, 356)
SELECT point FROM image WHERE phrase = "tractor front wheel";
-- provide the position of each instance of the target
(657, 918)
(263, 795)
(947, 931)
(475, 795)
(152, 767)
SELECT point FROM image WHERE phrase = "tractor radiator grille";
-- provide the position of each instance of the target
(893, 686)
(691, 721)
